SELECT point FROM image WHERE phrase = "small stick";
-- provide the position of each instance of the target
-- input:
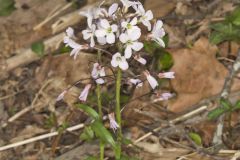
(27, 109)
(174, 121)
(11, 95)
(217, 139)
(41, 137)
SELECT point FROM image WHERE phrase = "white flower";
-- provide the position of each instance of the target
(151, 80)
(131, 43)
(106, 30)
(127, 3)
(84, 94)
(98, 72)
(131, 27)
(112, 9)
(136, 82)
(119, 61)
(140, 59)
(75, 46)
(89, 34)
(164, 97)
(113, 124)
(70, 32)
(158, 33)
(169, 75)
(61, 96)
(145, 17)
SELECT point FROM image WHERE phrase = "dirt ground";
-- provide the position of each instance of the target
(29, 84)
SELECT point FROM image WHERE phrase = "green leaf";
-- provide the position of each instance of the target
(91, 112)
(38, 48)
(234, 17)
(236, 106)
(196, 138)
(87, 134)
(103, 133)
(150, 46)
(65, 49)
(226, 106)
(217, 37)
(6, 7)
(164, 60)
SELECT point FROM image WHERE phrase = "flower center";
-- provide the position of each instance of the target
(129, 26)
(119, 59)
(109, 30)
(129, 42)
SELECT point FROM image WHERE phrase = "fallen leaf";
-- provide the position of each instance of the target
(199, 75)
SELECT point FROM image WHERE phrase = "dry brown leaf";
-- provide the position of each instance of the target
(28, 132)
(199, 75)
(160, 8)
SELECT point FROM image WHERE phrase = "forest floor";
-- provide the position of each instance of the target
(177, 129)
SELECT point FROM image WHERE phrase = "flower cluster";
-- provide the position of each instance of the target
(117, 27)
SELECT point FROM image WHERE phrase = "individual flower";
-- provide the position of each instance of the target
(151, 80)
(158, 33)
(61, 96)
(112, 9)
(136, 82)
(164, 97)
(145, 17)
(70, 33)
(98, 72)
(169, 75)
(131, 43)
(75, 46)
(89, 34)
(127, 3)
(107, 31)
(119, 61)
(140, 59)
(84, 94)
(132, 27)
(113, 124)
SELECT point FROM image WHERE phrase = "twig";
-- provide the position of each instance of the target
(174, 121)
(26, 56)
(53, 15)
(41, 137)
(217, 139)
(11, 95)
(27, 109)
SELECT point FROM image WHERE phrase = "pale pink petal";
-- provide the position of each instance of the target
(114, 63)
(114, 28)
(112, 9)
(140, 60)
(160, 42)
(128, 52)
(84, 94)
(100, 33)
(124, 38)
(101, 40)
(151, 80)
(104, 23)
(147, 24)
(61, 96)
(100, 81)
(134, 21)
(123, 64)
(137, 46)
(110, 38)
(149, 15)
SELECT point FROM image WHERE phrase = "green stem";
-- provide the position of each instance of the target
(118, 113)
(99, 102)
